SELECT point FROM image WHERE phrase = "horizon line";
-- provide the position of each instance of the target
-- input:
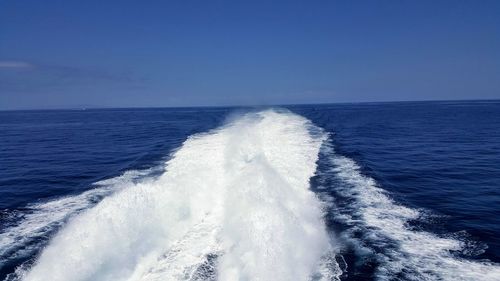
(94, 107)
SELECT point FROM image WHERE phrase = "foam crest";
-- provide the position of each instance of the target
(232, 204)
(405, 252)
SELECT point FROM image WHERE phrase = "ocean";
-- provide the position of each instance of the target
(368, 191)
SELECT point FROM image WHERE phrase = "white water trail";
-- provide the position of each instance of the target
(418, 255)
(38, 220)
(239, 193)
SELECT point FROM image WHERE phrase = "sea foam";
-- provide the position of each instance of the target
(29, 228)
(232, 204)
(403, 253)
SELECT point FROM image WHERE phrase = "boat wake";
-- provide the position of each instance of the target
(380, 229)
(236, 203)
(232, 204)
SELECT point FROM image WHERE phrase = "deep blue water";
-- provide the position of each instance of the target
(441, 158)
(53, 153)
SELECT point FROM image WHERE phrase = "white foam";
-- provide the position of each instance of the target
(418, 255)
(240, 192)
(38, 220)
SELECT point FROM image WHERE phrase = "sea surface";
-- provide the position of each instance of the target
(370, 191)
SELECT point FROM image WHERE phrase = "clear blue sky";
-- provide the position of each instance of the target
(88, 53)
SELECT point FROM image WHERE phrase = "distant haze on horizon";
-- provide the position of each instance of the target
(68, 54)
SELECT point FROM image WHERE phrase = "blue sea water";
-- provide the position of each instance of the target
(409, 191)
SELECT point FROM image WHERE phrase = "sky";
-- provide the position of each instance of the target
(72, 54)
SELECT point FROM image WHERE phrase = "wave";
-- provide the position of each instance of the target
(232, 204)
(377, 225)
